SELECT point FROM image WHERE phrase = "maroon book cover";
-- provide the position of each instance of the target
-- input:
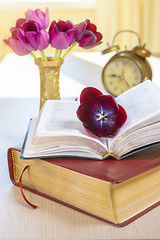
(110, 170)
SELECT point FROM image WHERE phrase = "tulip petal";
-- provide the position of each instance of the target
(19, 22)
(103, 131)
(92, 131)
(89, 46)
(46, 18)
(60, 41)
(43, 18)
(69, 24)
(84, 113)
(95, 106)
(31, 37)
(87, 39)
(40, 16)
(43, 40)
(17, 46)
(53, 23)
(31, 15)
(14, 33)
(88, 22)
(70, 34)
(13, 29)
(99, 36)
(21, 37)
(79, 30)
(92, 27)
(62, 26)
(109, 101)
(53, 32)
(122, 116)
(89, 94)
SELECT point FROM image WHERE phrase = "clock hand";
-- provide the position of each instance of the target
(124, 79)
(126, 82)
(114, 75)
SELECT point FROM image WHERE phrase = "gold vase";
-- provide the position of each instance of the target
(49, 79)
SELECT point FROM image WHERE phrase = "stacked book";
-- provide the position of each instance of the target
(115, 180)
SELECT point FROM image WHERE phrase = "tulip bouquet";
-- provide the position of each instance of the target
(30, 35)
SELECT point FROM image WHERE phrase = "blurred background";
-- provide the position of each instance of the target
(110, 16)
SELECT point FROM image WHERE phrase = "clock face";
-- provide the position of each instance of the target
(120, 74)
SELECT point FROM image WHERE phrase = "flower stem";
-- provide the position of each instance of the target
(56, 54)
(33, 55)
(43, 56)
(60, 52)
(68, 50)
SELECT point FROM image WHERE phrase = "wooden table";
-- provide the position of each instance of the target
(51, 220)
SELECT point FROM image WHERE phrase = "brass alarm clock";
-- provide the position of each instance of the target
(126, 68)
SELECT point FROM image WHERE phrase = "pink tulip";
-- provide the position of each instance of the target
(14, 43)
(33, 36)
(39, 17)
(16, 46)
(86, 35)
(61, 34)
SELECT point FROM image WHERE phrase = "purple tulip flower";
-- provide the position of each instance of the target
(14, 43)
(100, 114)
(61, 34)
(86, 35)
(39, 17)
(33, 36)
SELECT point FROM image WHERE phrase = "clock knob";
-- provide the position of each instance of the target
(141, 51)
(109, 49)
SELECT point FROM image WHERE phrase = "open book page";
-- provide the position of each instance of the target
(59, 129)
(144, 136)
(142, 104)
(55, 150)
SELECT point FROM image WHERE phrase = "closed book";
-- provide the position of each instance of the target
(113, 191)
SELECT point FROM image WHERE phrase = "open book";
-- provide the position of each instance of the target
(58, 132)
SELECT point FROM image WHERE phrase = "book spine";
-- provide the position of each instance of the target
(111, 155)
(12, 166)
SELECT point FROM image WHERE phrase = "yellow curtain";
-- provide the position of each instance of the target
(141, 16)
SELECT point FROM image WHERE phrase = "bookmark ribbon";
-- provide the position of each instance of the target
(20, 182)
